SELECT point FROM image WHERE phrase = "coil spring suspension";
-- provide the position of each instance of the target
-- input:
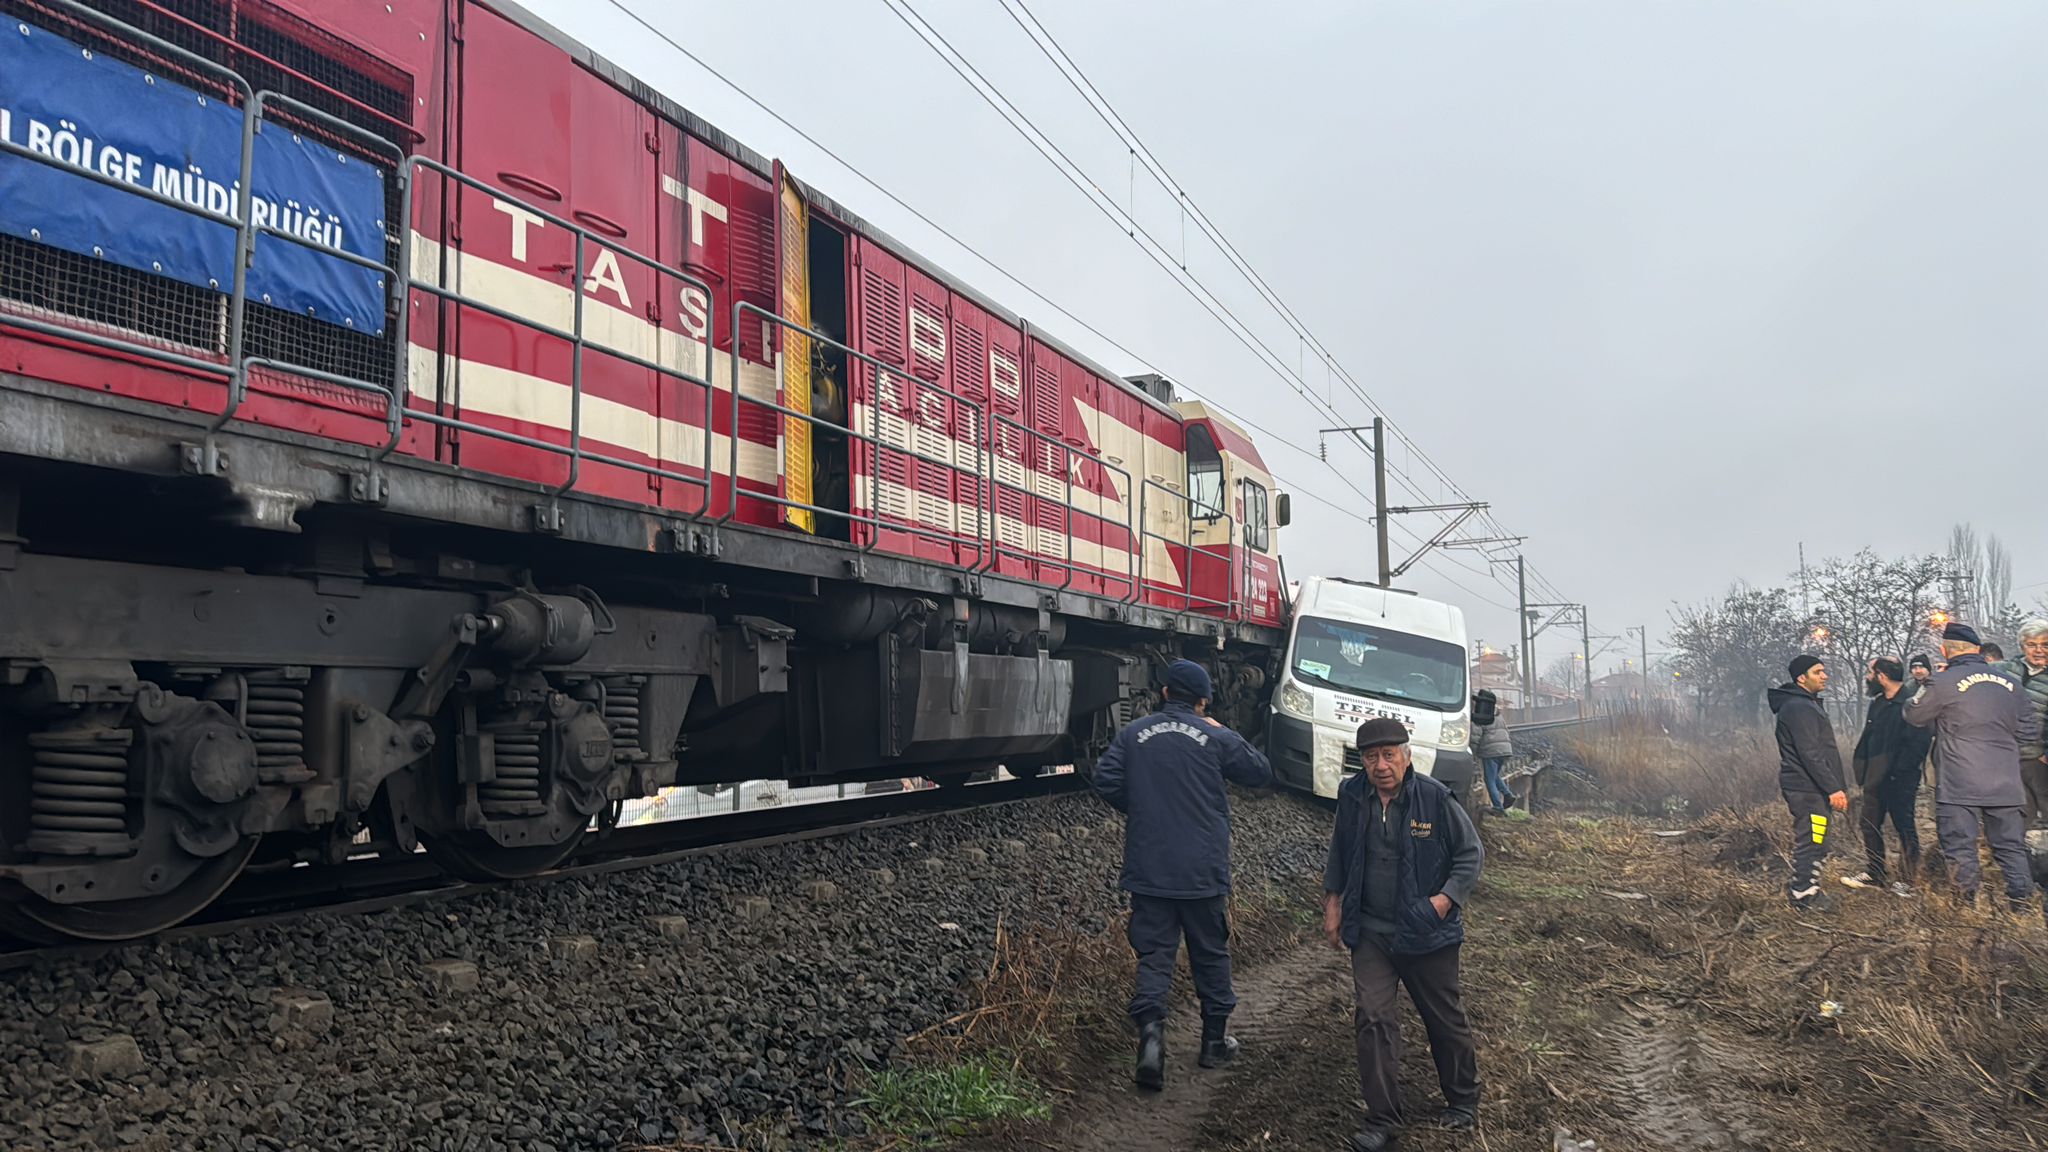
(516, 789)
(276, 719)
(622, 716)
(78, 790)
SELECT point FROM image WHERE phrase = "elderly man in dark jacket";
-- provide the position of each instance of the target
(1981, 720)
(1809, 776)
(1403, 860)
(2031, 670)
(1165, 772)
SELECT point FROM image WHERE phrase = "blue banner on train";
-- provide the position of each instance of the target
(82, 110)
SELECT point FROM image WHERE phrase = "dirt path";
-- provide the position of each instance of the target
(1281, 1004)
(1677, 1083)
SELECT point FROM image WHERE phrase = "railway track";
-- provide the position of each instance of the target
(374, 884)
(1553, 725)
(378, 884)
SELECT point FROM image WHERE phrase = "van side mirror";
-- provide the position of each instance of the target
(1283, 510)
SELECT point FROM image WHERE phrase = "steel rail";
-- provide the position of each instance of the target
(380, 884)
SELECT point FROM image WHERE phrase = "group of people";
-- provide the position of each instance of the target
(1978, 722)
(1404, 857)
(1403, 860)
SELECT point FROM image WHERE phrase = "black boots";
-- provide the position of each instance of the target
(1372, 1138)
(1151, 1071)
(1218, 1048)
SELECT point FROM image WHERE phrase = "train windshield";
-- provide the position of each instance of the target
(1370, 661)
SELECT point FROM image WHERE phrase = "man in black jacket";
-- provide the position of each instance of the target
(1809, 776)
(1887, 769)
(1165, 772)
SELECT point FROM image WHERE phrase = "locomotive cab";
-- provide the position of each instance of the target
(1236, 516)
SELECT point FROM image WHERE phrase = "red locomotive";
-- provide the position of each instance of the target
(410, 423)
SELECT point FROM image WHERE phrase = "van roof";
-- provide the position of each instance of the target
(1338, 598)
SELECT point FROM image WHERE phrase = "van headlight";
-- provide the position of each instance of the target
(1456, 732)
(1295, 700)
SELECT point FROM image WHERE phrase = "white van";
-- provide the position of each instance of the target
(1356, 650)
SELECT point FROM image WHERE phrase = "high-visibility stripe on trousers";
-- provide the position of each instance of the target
(1809, 843)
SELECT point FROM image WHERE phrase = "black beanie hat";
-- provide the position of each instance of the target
(1804, 663)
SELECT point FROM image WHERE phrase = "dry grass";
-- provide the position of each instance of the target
(1052, 1004)
(1655, 991)
(1945, 1006)
(1050, 997)
(1632, 765)
(1924, 1014)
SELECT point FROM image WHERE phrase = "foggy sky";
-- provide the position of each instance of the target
(1675, 286)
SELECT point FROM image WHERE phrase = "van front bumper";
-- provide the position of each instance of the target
(1290, 745)
(1317, 758)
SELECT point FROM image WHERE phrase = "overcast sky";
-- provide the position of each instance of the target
(1661, 281)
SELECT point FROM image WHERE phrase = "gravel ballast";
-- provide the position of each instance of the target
(734, 992)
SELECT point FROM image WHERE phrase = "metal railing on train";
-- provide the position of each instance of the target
(401, 281)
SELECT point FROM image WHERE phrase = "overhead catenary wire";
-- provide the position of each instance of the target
(1006, 274)
(1070, 70)
(1149, 244)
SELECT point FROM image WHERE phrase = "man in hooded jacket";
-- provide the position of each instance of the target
(1165, 772)
(1809, 776)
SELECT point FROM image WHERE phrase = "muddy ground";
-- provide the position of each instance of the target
(1644, 990)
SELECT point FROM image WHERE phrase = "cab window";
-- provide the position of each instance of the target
(1255, 535)
(1205, 475)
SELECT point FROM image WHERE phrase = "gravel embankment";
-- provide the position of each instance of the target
(752, 1010)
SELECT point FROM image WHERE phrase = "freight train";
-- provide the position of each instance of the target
(415, 431)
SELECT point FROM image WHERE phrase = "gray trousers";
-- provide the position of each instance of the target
(1377, 976)
(2034, 775)
(2006, 828)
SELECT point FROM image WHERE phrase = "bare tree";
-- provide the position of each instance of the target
(1994, 580)
(1563, 674)
(1867, 606)
(2002, 618)
(1965, 563)
(1729, 651)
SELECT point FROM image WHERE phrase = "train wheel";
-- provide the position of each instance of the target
(476, 857)
(136, 916)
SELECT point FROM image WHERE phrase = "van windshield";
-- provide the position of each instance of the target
(1372, 661)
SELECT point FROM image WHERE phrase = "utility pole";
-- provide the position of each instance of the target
(1528, 657)
(1644, 632)
(1465, 509)
(1378, 448)
(1586, 647)
(1379, 496)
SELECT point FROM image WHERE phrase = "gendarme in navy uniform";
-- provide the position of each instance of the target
(1165, 772)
